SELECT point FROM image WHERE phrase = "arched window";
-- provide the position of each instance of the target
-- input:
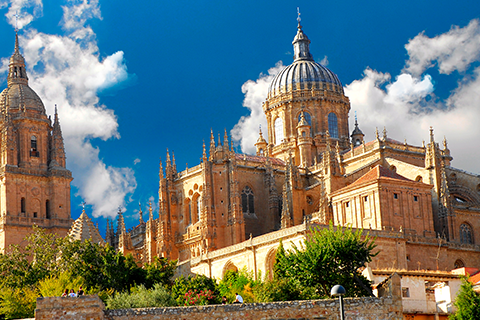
(308, 118)
(22, 205)
(459, 264)
(47, 209)
(332, 125)
(358, 142)
(247, 201)
(466, 234)
(278, 131)
(33, 147)
(199, 208)
(188, 212)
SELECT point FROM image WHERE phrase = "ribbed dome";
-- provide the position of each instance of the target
(19, 96)
(304, 71)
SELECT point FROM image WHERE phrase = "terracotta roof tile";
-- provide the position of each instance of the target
(378, 172)
(247, 157)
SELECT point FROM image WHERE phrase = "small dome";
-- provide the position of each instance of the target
(19, 96)
(304, 72)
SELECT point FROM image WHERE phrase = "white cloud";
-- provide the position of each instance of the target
(22, 12)
(245, 132)
(136, 161)
(402, 105)
(453, 50)
(68, 71)
(324, 61)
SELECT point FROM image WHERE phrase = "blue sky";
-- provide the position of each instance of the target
(132, 79)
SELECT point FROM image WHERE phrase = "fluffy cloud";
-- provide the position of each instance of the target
(68, 71)
(407, 107)
(22, 12)
(245, 132)
(453, 50)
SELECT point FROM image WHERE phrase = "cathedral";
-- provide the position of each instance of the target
(231, 210)
(34, 181)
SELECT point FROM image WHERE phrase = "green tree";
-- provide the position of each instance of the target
(467, 303)
(327, 257)
(161, 270)
(18, 302)
(240, 282)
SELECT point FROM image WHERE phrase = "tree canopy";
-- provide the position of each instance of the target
(327, 257)
(467, 303)
(46, 262)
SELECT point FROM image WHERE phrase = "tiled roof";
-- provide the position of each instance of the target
(378, 172)
(247, 157)
(83, 229)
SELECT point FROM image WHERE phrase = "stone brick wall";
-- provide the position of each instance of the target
(81, 308)
(387, 307)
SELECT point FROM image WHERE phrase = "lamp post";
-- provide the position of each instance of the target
(339, 291)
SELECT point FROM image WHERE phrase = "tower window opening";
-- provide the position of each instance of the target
(466, 234)
(395, 196)
(189, 213)
(415, 198)
(22, 205)
(34, 214)
(332, 125)
(358, 142)
(247, 201)
(278, 131)
(198, 208)
(33, 147)
(47, 209)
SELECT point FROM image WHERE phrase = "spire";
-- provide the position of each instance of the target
(204, 155)
(121, 223)
(16, 68)
(174, 165)
(57, 147)
(432, 138)
(301, 43)
(225, 140)
(384, 134)
(160, 171)
(303, 122)
(150, 211)
(140, 213)
(212, 144)
(261, 144)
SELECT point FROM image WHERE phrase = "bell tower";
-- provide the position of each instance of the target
(34, 182)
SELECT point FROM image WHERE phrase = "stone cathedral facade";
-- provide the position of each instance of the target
(232, 209)
(34, 181)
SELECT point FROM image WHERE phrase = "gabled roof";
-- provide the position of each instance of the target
(83, 229)
(378, 173)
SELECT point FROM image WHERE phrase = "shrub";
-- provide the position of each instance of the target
(141, 297)
(195, 285)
